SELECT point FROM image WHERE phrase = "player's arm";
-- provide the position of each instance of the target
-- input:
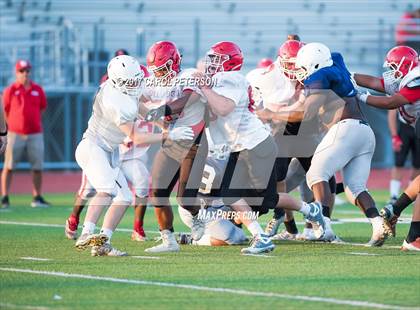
(387, 103)
(393, 128)
(219, 104)
(369, 81)
(180, 133)
(292, 113)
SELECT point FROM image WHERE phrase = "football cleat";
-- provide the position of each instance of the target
(106, 250)
(284, 235)
(273, 226)
(5, 203)
(86, 240)
(185, 239)
(197, 228)
(71, 229)
(390, 220)
(306, 235)
(412, 246)
(316, 218)
(378, 237)
(259, 244)
(168, 244)
(39, 202)
(329, 234)
(136, 236)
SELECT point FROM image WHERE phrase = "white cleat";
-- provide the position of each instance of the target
(135, 236)
(306, 235)
(197, 228)
(317, 219)
(168, 244)
(284, 235)
(379, 234)
(273, 226)
(86, 240)
(259, 244)
(329, 235)
(412, 246)
(106, 250)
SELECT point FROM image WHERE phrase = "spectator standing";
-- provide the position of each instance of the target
(23, 102)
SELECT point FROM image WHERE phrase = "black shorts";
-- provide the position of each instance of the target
(250, 175)
(410, 143)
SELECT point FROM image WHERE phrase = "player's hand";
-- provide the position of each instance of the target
(264, 114)
(202, 80)
(362, 95)
(396, 143)
(3, 143)
(181, 133)
(156, 114)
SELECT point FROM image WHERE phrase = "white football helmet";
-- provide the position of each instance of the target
(125, 74)
(311, 58)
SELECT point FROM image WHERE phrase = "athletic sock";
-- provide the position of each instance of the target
(326, 211)
(74, 219)
(291, 226)
(376, 222)
(107, 232)
(305, 208)
(278, 213)
(88, 228)
(414, 232)
(255, 228)
(402, 202)
(371, 213)
(138, 225)
(394, 188)
(339, 188)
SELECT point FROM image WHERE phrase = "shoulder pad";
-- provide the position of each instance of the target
(414, 83)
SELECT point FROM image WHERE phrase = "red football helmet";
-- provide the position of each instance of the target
(164, 59)
(264, 63)
(224, 56)
(400, 60)
(287, 57)
(145, 71)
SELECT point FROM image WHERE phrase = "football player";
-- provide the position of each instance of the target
(249, 179)
(182, 106)
(135, 155)
(401, 82)
(329, 93)
(115, 110)
(278, 87)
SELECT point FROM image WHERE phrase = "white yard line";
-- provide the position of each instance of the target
(13, 306)
(362, 253)
(355, 303)
(258, 255)
(36, 259)
(146, 257)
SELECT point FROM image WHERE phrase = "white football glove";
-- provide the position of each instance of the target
(181, 133)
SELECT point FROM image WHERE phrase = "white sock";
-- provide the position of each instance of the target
(88, 228)
(205, 240)
(305, 208)
(394, 188)
(255, 228)
(107, 232)
(376, 223)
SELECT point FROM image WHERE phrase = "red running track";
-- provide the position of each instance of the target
(69, 182)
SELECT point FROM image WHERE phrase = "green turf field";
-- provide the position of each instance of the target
(296, 275)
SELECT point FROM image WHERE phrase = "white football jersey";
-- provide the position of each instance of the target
(130, 151)
(240, 129)
(111, 109)
(193, 112)
(409, 113)
(271, 86)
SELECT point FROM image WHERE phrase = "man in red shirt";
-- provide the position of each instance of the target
(23, 102)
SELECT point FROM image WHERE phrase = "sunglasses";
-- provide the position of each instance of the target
(24, 70)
